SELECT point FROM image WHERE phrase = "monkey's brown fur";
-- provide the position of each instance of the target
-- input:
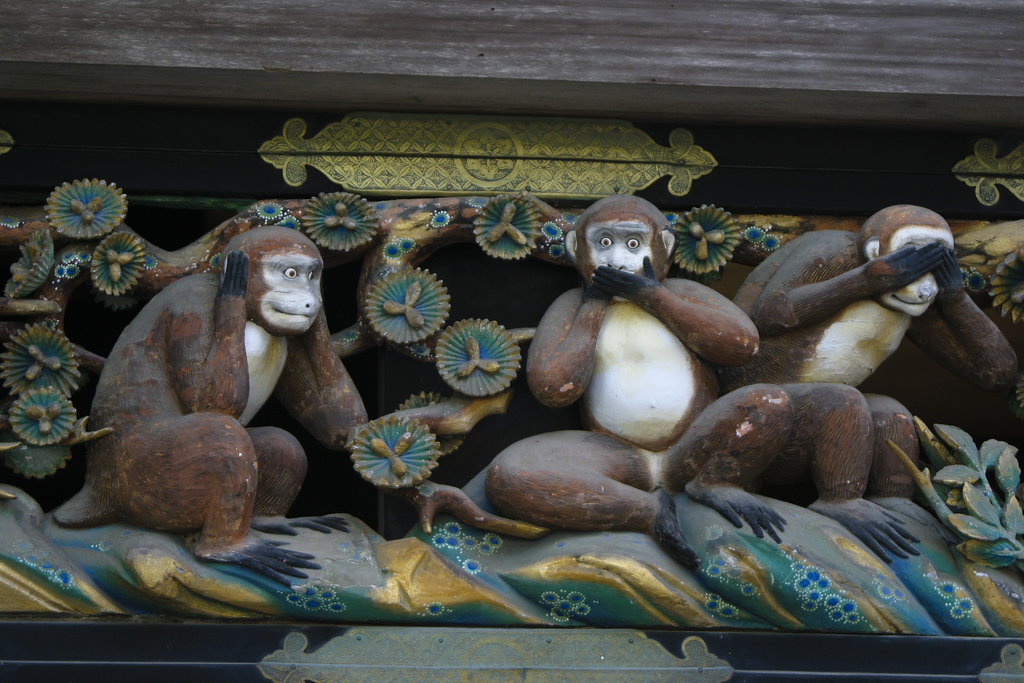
(173, 389)
(797, 296)
(601, 480)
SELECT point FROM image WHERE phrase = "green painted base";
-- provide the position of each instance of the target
(818, 579)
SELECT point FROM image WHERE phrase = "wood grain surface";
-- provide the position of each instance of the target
(947, 63)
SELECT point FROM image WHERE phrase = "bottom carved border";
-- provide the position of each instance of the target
(84, 651)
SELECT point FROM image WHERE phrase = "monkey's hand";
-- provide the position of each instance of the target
(949, 278)
(591, 291)
(261, 556)
(430, 498)
(900, 268)
(236, 275)
(627, 285)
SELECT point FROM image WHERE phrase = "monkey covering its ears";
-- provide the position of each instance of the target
(182, 382)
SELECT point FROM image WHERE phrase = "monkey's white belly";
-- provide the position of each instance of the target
(860, 337)
(644, 377)
(265, 355)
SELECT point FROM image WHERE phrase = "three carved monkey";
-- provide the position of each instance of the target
(640, 349)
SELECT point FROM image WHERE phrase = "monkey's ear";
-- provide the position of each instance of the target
(570, 245)
(668, 238)
(872, 248)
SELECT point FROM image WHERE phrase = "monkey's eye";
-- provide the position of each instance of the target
(633, 243)
(290, 273)
(606, 241)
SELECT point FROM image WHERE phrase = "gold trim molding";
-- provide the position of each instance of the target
(430, 155)
(984, 171)
(421, 655)
(1009, 668)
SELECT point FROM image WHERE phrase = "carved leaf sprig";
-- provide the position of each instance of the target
(86, 209)
(393, 452)
(1008, 285)
(117, 263)
(989, 521)
(508, 227)
(407, 305)
(38, 356)
(477, 357)
(33, 268)
(340, 221)
(707, 237)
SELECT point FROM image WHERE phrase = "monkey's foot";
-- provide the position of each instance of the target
(666, 532)
(880, 530)
(287, 527)
(429, 499)
(911, 510)
(736, 505)
(265, 557)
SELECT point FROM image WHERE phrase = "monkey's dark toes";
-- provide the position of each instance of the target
(292, 558)
(879, 529)
(267, 558)
(885, 541)
(762, 519)
(737, 506)
(669, 536)
(324, 525)
(269, 526)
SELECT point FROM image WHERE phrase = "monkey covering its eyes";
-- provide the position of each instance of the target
(830, 306)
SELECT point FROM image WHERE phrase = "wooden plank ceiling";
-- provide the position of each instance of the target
(951, 64)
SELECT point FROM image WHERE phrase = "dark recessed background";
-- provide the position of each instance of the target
(203, 158)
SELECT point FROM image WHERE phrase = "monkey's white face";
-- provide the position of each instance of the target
(621, 245)
(914, 298)
(293, 299)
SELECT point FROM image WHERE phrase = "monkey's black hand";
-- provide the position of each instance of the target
(592, 292)
(900, 268)
(627, 285)
(949, 277)
(236, 274)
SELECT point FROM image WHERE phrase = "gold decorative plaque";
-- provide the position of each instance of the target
(412, 155)
(1010, 668)
(6, 142)
(984, 171)
(540, 655)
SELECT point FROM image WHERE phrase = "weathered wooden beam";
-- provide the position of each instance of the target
(947, 63)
